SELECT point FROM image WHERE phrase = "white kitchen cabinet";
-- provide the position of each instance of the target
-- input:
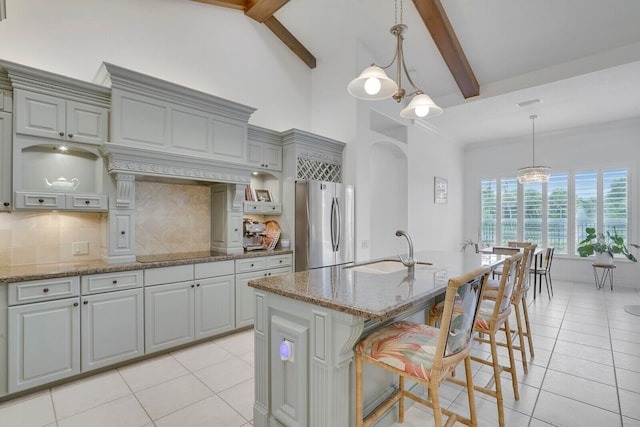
(262, 208)
(256, 268)
(43, 342)
(215, 298)
(5, 161)
(112, 318)
(61, 201)
(264, 155)
(169, 315)
(112, 325)
(214, 306)
(60, 119)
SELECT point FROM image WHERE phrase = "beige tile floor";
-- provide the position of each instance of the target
(586, 372)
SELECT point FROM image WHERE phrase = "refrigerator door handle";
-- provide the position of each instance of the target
(336, 224)
(333, 224)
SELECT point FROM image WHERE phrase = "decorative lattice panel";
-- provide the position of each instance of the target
(311, 169)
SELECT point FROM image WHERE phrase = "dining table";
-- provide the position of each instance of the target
(536, 264)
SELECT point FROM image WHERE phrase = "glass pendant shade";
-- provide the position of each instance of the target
(533, 174)
(372, 84)
(421, 106)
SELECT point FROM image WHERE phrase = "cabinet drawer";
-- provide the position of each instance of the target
(213, 269)
(111, 281)
(39, 200)
(43, 290)
(279, 261)
(250, 264)
(89, 202)
(278, 271)
(161, 275)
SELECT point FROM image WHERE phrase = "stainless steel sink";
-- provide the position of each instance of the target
(384, 267)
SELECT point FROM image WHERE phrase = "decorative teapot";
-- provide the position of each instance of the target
(62, 184)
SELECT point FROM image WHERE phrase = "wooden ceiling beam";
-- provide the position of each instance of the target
(437, 22)
(287, 38)
(261, 10)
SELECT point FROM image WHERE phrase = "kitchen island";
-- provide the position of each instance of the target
(307, 323)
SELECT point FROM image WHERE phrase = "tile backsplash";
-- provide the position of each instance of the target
(170, 218)
(47, 237)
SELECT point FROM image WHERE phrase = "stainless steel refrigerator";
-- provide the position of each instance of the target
(324, 224)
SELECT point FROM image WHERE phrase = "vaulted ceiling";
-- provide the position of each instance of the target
(581, 58)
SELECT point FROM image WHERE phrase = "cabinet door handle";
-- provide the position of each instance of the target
(197, 284)
(6, 204)
(85, 302)
(235, 229)
(61, 133)
(280, 261)
(86, 202)
(115, 282)
(70, 135)
(75, 304)
(123, 232)
(45, 290)
(192, 286)
(251, 265)
(40, 200)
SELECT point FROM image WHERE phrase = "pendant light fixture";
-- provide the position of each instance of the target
(374, 84)
(533, 173)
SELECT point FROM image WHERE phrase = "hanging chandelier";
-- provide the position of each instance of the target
(533, 173)
(374, 84)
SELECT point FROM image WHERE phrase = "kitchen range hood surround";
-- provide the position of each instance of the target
(163, 129)
(121, 158)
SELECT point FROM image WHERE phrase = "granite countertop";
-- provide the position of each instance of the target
(352, 289)
(20, 273)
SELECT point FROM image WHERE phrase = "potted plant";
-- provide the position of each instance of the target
(605, 246)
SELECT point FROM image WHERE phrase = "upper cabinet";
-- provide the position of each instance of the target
(56, 118)
(153, 114)
(59, 122)
(264, 149)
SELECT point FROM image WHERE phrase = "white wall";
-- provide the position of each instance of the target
(565, 152)
(213, 49)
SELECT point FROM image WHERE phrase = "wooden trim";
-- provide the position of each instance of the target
(261, 10)
(287, 38)
(435, 18)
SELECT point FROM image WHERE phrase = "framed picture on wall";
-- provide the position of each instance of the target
(440, 190)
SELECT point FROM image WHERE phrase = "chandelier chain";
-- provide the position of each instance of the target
(401, 11)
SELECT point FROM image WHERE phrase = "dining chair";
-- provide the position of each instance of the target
(493, 318)
(425, 354)
(518, 244)
(544, 271)
(519, 303)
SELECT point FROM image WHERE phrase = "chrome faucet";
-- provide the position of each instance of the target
(410, 261)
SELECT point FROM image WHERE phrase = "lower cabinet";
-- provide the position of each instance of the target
(274, 265)
(169, 315)
(43, 342)
(215, 306)
(111, 328)
(201, 307)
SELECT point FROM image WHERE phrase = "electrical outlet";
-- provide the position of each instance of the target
(80, 248)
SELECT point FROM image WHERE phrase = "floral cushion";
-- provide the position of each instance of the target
(409, 347)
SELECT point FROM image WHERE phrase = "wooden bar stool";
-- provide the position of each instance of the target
(493, 317)
(425, 354)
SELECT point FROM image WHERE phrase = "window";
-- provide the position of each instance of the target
(532, 201)
(545, 214)
(489, 208)
(509, 211)
(558, 213)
